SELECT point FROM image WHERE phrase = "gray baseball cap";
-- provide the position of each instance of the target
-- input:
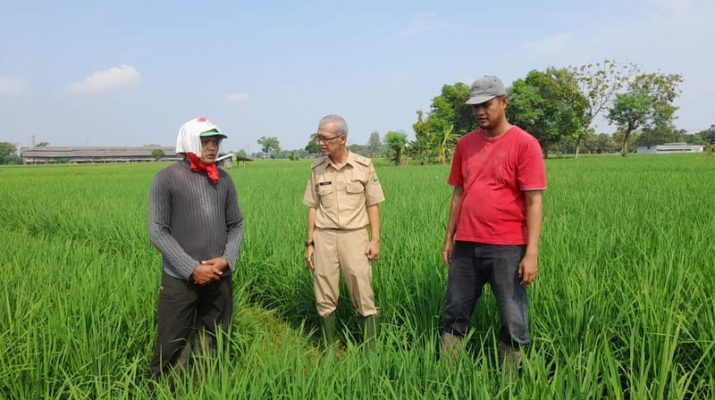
(485, 89)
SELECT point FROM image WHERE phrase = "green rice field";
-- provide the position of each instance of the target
(624, 306)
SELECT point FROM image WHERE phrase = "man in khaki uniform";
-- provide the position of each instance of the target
(342, 196)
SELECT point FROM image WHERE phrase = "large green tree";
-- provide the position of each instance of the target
(547, 104)
(647, 103)
(448, 118)
(269, 145)
(659, 134)
(602, 143)
(449, 109)
(8, 154)
(707, 135)
(312, 147)
(396, 142)
(630, 112)
(693, 138)
(157, 154)
(598, 84)
(421, 148)
(619, 137)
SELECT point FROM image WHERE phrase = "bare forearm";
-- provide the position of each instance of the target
(311, 224)
(373, 217)
(454, 210)
(534, 215)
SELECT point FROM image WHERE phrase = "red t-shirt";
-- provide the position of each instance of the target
(494, 173)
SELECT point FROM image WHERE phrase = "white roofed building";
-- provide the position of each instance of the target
(670, 148)
(50, 155)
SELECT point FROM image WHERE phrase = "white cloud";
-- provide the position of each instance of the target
(236, 97)
(108, 79)
(10, 86)
(426, 23)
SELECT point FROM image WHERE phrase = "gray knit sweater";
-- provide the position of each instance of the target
(192, 219)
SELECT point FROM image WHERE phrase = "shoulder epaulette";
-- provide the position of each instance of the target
(318, 162)
(362, 160)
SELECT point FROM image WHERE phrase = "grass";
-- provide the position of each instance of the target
(623, 307)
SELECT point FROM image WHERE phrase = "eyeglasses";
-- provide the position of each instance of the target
(323, 139)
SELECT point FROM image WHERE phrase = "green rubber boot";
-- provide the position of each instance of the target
(329, 329)
(372, 328)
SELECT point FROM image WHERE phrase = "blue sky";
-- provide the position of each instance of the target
(131, 72)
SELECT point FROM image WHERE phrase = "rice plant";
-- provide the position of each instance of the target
(623, 307)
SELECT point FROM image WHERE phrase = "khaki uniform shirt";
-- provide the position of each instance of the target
(341, 196)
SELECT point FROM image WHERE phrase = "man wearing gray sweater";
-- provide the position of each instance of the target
(197, 225)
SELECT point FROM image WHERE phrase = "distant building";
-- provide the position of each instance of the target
(227, 161)
(50, 155)
(670, 148)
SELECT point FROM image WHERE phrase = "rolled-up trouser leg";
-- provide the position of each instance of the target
(357, 270)
(175, 321)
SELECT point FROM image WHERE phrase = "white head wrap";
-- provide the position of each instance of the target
(189, 139)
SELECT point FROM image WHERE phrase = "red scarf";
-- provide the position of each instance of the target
(197, 165)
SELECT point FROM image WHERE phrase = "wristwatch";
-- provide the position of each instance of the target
(309, 243)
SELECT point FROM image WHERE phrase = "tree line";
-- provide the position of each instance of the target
(561, 108)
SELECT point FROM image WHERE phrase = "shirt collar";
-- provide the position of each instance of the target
(350, 160)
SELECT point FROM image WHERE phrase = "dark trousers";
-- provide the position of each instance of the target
(473, 265)
(186, 310)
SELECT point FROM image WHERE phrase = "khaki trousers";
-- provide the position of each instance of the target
(342, 250)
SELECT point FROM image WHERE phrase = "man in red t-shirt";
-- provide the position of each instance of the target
(494, 221)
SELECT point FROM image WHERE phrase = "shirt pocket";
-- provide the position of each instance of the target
(327, 195)
(355, 195)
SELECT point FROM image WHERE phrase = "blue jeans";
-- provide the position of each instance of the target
(473, 265)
